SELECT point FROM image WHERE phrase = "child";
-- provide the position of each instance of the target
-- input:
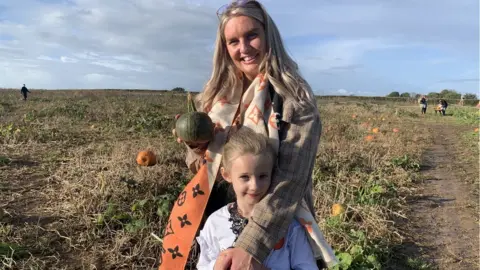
(248, 161)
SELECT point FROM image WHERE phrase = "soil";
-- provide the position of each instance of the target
(443, 222)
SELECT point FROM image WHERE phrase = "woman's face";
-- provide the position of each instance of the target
(245, 42)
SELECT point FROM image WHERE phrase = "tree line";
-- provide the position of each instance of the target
(445, 94)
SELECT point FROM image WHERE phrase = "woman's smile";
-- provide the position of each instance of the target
(249, 59)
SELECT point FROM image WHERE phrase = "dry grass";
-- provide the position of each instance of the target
(74, 198)
(466, 149)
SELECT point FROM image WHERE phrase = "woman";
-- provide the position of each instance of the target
(249, 57)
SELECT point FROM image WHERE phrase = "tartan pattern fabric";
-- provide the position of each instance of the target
(290, 182)
(255, 113)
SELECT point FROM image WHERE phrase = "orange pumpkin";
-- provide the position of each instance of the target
(375, 130)
(369, 138)
(146, 158)
(337, 209)
(475, 130)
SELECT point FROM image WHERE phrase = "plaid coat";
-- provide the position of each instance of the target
(300, 131)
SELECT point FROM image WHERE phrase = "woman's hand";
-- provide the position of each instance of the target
(200, 148)
(237, 259)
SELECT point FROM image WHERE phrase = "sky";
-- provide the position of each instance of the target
(342, 47)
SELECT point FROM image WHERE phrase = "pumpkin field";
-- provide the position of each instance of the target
(73, 195)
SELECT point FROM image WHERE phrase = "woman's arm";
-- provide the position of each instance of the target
(274, 213)
(194, 158)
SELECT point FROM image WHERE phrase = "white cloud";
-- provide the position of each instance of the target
(339, 55)
(53, 18)
(86, 55)
(344, 92)
(13, 78)
(162, 44)
(119, 66)
(66, 59)
(95, 77)
(104, 81)
(46, 58)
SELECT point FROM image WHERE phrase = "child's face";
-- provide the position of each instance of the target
(250, 176)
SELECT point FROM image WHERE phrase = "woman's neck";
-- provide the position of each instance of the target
(246, 83)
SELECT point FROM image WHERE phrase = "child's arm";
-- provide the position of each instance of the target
(301, 254)
(209, 248)
(205, 262)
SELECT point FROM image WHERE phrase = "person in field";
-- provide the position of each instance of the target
(248, 160)
(256, 83)
(423, 104)
(24, 92)
(444, 106)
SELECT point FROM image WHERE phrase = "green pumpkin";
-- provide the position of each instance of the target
(194, 127)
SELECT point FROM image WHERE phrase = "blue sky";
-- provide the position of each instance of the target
(367, 47)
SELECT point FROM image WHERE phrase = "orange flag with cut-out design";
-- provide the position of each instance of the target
(184, 220)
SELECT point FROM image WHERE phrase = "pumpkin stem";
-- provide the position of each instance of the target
(190, 103)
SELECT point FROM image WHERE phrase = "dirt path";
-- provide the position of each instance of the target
(445, 225)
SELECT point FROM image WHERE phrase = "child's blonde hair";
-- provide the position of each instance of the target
(246, 141)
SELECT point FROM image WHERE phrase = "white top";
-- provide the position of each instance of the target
(217, 236)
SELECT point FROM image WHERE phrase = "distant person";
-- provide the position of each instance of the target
(438, 108)
(423, 104)
(444, 104)
(24, 92)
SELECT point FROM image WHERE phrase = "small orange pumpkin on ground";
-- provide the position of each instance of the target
(375, 130)
(369, 138)
(146, 158)
(337, 209)
(475, 130)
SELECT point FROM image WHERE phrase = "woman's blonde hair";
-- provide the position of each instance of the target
(246, 141)
(280, 69)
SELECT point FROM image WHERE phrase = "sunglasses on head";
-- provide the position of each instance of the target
(236, 3)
